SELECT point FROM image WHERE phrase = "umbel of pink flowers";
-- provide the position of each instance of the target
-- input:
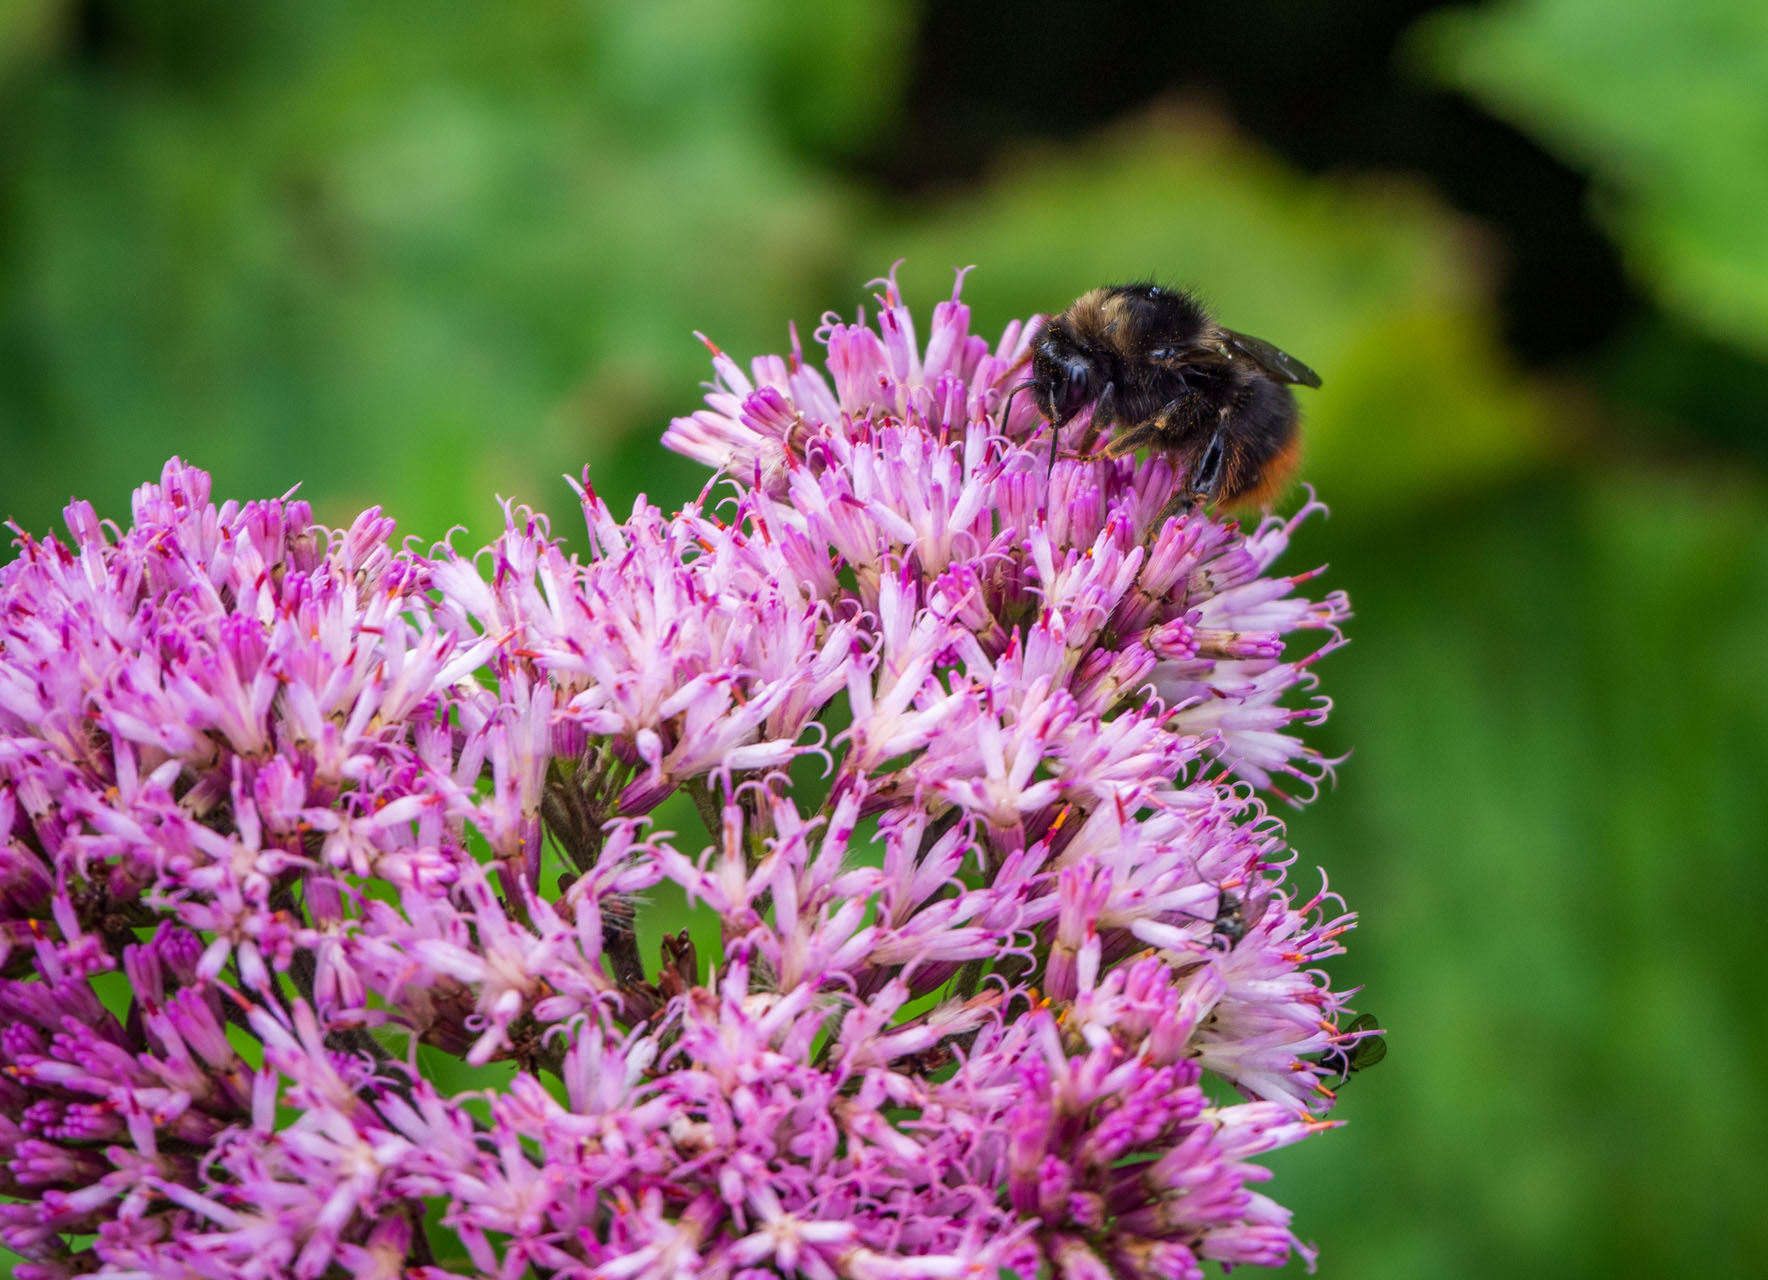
(1002, 966)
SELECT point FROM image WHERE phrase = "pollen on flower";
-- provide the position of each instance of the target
(994, 909)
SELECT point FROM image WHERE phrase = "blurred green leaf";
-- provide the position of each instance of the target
(1371, 281)
(1551, 826)
(410, 254)
(1667, 105)
(837, 68)
(26, 32)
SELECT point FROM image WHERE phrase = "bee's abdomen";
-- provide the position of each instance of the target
(1263, 445)
(1267, 481)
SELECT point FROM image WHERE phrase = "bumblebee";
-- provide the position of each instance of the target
(1152, 360)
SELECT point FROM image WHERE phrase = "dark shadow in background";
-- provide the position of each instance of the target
(1323, 84)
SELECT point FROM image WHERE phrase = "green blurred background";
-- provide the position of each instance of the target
(422, 254)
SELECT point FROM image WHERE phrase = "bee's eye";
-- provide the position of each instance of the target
(1077, 392)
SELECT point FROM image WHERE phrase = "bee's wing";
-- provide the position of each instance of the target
(1273, 360)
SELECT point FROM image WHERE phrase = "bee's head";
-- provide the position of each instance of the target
(1064, 374)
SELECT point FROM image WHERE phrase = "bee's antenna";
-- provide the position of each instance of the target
(1007, 412)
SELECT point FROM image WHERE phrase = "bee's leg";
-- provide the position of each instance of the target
(1104, 411)
(1182, 503)
(1104, 414)
(1201, 483)
(1207, 478)
(1135, 438)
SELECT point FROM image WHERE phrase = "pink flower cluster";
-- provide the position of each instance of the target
(1009, 971)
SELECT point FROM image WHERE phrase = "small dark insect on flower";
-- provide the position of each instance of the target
(1151, 359)
(1235, 914)
(1367, 1049)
